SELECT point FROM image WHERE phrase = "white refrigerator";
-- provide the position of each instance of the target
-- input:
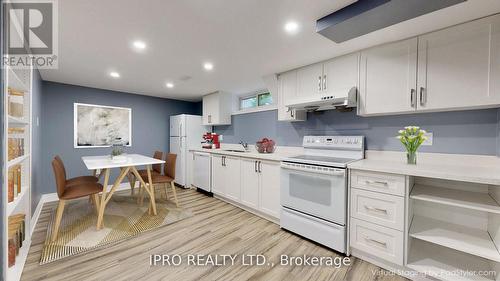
(186, 132)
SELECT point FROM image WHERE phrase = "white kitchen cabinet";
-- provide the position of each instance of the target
(250, 183)
(340, 74)
(217, 109)
(388, 76)
(458, 67)
(310, 80)
(218, 175)
(287, 83)
(231, 178)
(226, 176)
(269, 188)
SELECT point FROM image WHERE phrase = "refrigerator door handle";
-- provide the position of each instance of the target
(180, 130)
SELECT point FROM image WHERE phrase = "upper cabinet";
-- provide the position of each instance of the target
(328, 77)
(310, 80)
(388, 78)
(217, 109)
(458, 67)
(340, 73)
(287, 83)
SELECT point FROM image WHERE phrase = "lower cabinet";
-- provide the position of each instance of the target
(270, 188)
(226, 176)
(252, 182)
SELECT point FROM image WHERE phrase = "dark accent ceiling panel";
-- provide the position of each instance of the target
(365, 16)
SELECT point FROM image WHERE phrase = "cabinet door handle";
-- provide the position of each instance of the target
(423, 96)
(383, 244)
(255, 166)
(319, 83)
(375, 209)
(292, 113)
(412, 97)
(260, 167)
(324, 82)
(223, 160)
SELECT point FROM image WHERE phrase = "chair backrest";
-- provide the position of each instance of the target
(59, 176)
(157, 167)
(169, 168)
(62, 165)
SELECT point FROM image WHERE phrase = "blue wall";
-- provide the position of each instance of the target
(466, 132)
(150, 125)
(36, 151)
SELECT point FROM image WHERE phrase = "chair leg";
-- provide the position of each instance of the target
(96, 200)
(165, 185)
(59, 213)
(175, 193)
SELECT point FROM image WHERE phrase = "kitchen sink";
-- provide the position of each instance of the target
(234, 150)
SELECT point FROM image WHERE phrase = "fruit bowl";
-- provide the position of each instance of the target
(265, 146)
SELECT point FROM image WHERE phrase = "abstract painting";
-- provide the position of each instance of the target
(100, 126)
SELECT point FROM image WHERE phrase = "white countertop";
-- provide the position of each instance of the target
(279, 154)
(468, 168)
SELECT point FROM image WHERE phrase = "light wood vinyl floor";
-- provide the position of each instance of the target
(216, 228)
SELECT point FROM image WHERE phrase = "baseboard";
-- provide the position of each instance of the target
(52, 197)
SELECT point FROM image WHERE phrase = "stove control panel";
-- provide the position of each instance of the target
(335, 142)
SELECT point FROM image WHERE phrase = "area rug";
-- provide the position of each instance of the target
(123, 219)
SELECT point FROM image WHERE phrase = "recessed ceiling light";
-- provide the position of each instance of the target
(291, 27)
(114, 74)
(170, 85)
(139, 45)
(208, 66)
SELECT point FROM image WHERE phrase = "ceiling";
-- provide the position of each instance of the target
(244, 39)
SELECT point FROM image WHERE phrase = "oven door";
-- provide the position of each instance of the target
(315, 190)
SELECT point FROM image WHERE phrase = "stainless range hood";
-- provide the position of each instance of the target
(340, 99)
(365, 16)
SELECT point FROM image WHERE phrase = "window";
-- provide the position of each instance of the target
(256, 100)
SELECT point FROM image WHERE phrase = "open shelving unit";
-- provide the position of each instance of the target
(455, 228)
(17, 127)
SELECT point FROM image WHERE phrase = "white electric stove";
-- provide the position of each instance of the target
(314, 188)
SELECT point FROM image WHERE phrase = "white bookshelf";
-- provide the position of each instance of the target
(19, 80)
(443, 263)
(479, 201)
(468, 240)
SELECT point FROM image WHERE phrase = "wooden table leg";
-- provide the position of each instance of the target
(148, 190)
(102, 204)
(151, 186)
(106, 197)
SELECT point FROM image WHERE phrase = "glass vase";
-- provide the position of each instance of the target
(411, 157)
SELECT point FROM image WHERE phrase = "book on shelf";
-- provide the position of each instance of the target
(15, 102)
(15, 143)
(14, 183)
(16, 236)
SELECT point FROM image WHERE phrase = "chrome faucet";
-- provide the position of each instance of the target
(244, 144)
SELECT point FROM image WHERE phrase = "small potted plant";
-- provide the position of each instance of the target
(117, 151)
(412, 137)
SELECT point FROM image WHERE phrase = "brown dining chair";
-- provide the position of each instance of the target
(156, 169)
(167, 178)
(69, 192)
(75, 180)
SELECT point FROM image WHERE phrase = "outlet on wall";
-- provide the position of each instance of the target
(429, 136)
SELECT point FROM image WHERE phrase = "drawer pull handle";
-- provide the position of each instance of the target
(377, 182)
(383, 244)
(370, 208)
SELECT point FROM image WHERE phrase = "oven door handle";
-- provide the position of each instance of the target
(330, 171)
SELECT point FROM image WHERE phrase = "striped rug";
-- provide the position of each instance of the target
(123, 219)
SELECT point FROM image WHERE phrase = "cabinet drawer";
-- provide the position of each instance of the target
(382, 209)
(379, 182)
(379, 241)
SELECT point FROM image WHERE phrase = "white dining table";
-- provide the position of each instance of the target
(127, 164)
